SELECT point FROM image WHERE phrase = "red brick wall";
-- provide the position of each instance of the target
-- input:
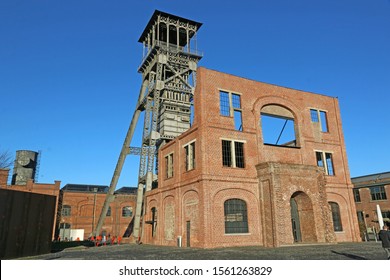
(3, 177)
(86, 209)
(212, 183)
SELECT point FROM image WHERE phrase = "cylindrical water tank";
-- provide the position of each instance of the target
(25, 167)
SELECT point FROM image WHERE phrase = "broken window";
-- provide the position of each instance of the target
(278, 126)
(318, 116)
(325, 160)
(190, 156)
(230, 106)
(233, 154)
(169, 166)
(236, 218)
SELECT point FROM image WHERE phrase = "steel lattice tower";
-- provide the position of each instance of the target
(168, 68)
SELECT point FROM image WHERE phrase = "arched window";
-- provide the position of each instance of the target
(66, 211)
(108, 211)
(127, 211)
(236, 219)
(336, 216)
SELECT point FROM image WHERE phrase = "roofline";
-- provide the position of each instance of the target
(154, 17)
(270, 84)
(374, 174)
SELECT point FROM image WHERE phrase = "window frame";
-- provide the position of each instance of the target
(66, 211)
(378, 195)
(125, 211)
(336, 216)
(229, 106)
(320, 117)
(234, 210)
(356, 195)
(230, 155)
(328, 168)
(190, 155)
(169, 166)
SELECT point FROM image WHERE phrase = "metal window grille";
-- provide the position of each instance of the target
(336, 216)
(314, 115)
(226, 153)
(239, 154)
(236, 101)
(236, 219)
(224, 103)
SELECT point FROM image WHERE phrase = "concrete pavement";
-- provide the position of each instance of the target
(342, 251)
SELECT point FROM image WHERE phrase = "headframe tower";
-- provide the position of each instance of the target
(168, 68)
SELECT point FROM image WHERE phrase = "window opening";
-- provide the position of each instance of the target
(324, 121)
(127, 211)
(190, 156)
(66, 211)
(356, 195)
(278, 130)
(169, 166)
(337, 226)
(318, 116)
(378, 193)
(230, 106)
(226, 153)
(233, 154)
(236, 219)
(224, 103)
(325, 160)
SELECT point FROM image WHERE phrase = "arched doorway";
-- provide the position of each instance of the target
(302, 218)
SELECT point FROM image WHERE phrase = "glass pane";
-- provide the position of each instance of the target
(224, 103)
(236, 100)
(314, 115)
(239, 153)
(226, 153)
(237, 120)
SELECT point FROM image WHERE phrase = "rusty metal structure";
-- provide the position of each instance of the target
(168, 69)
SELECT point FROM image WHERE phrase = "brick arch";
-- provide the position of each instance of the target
(306, 216)
(346, 218)
(276, 100)
(218, 227)
(190, 215)
(168, 219)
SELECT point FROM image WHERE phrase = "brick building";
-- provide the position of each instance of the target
(261, 165)
(370, 191)
(81, 206)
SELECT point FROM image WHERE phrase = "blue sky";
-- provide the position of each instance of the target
(69, 81)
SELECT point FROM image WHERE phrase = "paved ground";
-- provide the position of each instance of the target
(342, 251)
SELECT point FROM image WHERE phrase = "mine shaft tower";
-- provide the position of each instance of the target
(168, 68)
